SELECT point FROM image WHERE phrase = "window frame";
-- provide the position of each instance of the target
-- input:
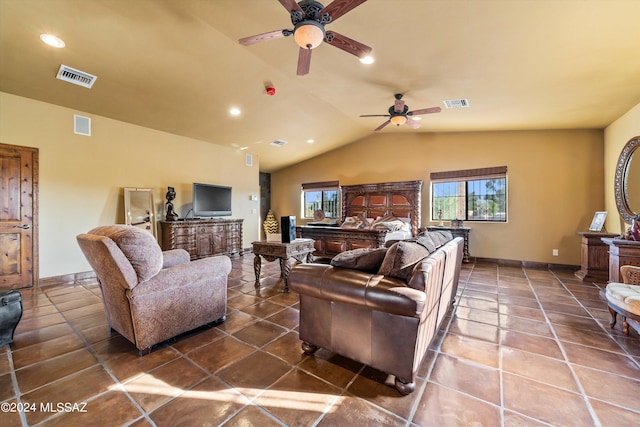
(320, 187)
(464, 177)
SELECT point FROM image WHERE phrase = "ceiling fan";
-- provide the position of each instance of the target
(399, 114)
(309, 18)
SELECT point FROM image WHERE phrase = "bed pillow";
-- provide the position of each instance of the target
(363, 259)
(401, 257)
(351, 222)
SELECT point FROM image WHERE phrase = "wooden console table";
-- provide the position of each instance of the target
(203, 237)
(621, 252)
(297, 251)
(594, 257)
(457, 232)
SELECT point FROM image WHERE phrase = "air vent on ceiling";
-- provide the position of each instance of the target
(76, 77)
(278, 143)
(456, 103)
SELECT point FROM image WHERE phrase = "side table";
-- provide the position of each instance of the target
(299, 250)
(457, 232)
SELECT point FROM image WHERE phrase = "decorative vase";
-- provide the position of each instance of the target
(270, 224)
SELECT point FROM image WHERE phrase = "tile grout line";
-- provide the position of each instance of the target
(119, 386)
(583, 393)
(591, 316)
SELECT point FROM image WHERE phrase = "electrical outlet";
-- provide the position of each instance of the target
(555, 252)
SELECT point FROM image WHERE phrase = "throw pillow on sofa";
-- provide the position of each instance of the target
(363, 259)
(401, 257)
(439, 237)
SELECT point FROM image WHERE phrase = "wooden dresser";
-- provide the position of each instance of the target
(621, 252)
(203, 237)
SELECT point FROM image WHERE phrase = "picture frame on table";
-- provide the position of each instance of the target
(598, 221)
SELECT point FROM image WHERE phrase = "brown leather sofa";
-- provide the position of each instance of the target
(385, 314)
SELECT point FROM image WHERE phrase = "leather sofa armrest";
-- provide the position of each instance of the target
(344, 285)
(174, 257)
(188, 273)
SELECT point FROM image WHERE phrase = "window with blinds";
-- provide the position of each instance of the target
(321, 196)
(470, 195)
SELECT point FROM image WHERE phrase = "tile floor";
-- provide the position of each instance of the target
(522, 347)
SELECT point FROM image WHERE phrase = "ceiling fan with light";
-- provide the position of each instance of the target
(399, 114)
(309, 18)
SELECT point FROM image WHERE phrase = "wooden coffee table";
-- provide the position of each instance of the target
(297, 251)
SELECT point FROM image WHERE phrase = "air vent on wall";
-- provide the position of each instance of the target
(81, 125)
(278, 143)
(456, 103)
(76, 77)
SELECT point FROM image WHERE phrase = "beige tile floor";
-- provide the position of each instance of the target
(521, 347)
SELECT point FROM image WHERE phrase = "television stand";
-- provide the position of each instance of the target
(203, 237)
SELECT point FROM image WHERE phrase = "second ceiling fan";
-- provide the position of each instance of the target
(309, 18)
(399, 114)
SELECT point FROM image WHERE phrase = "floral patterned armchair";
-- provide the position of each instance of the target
(150, 295)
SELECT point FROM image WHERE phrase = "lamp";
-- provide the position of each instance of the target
(398, 120)
(309, 34)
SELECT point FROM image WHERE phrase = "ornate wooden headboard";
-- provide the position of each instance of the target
(400, 199)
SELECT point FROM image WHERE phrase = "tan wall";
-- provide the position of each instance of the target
(555, 183)
(616, 136)
(82, 178)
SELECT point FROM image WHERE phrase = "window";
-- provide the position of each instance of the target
(324, 196)
(471, 195)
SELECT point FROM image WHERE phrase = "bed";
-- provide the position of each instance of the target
(371, 215)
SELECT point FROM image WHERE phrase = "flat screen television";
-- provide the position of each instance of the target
(211, 200)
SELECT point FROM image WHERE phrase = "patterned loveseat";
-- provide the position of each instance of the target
(150, 295)
(381, 307)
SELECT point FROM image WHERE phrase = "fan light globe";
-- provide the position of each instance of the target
(309, 34)
(398, 120)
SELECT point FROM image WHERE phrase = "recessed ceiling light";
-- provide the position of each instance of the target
(52, 40)
(311, 141)
(243, 148)
(416, 118)
(367, 60)
(234, 111)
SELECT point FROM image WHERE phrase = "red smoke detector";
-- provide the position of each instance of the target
(271, 90)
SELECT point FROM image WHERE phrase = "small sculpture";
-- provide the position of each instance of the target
(634, 230)
(171, 214)
(441, 224)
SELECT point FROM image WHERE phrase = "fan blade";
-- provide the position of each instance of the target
(291, 5)
(398, 106)
(339, 8)
(304, 61)
(258, 38)
(375, 115)
(424, 111)
(348, 45)
(382, 125)
(412, 123)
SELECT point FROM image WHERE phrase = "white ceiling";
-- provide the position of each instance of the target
(177, 66)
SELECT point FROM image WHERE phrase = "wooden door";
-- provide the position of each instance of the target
(18, 216)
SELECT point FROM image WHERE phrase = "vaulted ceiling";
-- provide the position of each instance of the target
(177, 66)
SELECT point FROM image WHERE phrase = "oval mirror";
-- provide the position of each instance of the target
(627, 180)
